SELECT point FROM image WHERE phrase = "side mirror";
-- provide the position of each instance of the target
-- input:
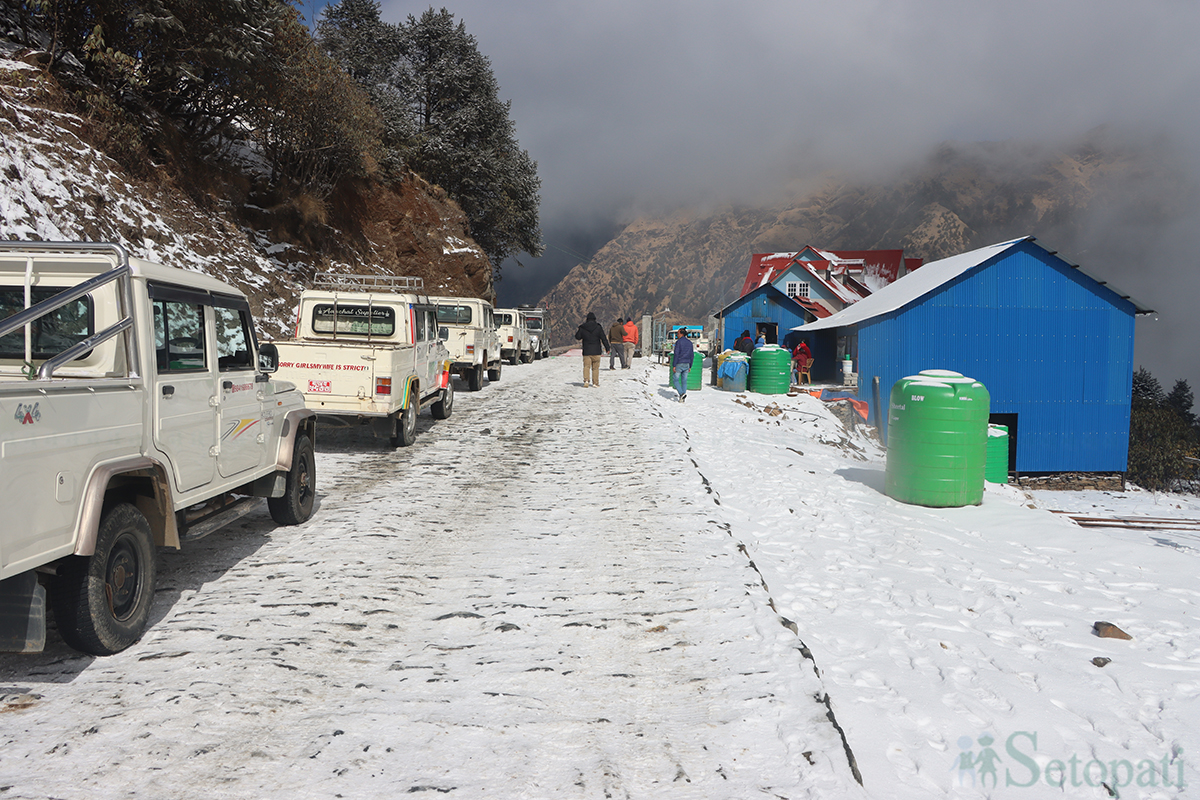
(444, 333)
(268, 358)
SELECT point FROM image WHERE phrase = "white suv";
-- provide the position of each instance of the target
(473, 342)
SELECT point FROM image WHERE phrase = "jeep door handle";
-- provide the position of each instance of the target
(168, 391)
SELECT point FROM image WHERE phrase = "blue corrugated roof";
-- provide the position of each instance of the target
(916, 285)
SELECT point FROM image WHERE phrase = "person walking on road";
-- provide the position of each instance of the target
(631, 340)
(594, 345)
(616, 339)
(681, 364)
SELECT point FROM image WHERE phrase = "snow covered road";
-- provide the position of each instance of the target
(535, 600)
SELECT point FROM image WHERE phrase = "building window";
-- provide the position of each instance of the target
(797, 289)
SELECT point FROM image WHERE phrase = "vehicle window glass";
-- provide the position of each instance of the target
(179, 336)
(376, 320)
(504, 319)
(420, 332)
(533, 323)
(53, 332)
(432, 324)
(454, 315)
(233, 339)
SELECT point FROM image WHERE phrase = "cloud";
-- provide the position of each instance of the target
(668, 101)
(629, 104)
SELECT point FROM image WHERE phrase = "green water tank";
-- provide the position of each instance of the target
(770, 370)
(997, 454)
(937, 440)
(696, 373)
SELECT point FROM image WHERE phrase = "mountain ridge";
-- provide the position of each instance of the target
(961, 196)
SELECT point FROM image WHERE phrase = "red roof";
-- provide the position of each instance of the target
(870, 269)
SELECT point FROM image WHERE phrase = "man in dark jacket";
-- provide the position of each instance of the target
(616, 335)
(594, 345)
(744, 343)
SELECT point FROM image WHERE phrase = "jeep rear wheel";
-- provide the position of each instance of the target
(442, 408)
(102, 602)
(494, 373)
(405, 426)
(475, 379)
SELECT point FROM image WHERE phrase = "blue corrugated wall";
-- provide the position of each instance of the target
(1050, 344)
(765, 304)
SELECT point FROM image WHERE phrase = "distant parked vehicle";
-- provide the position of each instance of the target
(473, 343)
(537, 320)
(137, 410)
(696, 333)
(515, 343)
(368, 350)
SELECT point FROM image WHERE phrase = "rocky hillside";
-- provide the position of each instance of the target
(962, 197)
(56, 185)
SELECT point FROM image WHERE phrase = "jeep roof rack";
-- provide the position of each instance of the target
(397, 284)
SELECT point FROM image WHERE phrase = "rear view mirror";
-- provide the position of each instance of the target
(444, 333)
(268, 358)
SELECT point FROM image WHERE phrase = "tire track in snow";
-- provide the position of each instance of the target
(532, 600)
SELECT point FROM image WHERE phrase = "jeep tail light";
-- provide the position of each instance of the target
(510, 339)
(470, 349)
(383, 386)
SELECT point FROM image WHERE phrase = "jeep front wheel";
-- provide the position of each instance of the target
(296, 504)
(102, 603)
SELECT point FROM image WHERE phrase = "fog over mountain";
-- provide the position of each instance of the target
(635, 109)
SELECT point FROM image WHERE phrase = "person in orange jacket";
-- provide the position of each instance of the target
(631, 340)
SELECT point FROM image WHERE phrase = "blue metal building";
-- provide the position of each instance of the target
(765, 308)
(1053, 346)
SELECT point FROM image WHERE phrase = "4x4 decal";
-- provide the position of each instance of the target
(27, 413)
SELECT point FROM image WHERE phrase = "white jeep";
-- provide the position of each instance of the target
(368, 350)
(137, 410)
(515, 342)
(473, 342)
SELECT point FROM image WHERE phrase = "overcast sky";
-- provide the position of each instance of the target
(629, 105)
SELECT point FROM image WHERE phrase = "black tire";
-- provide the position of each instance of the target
(405, 425)
(494, 374)
(527, 358)
(296, 504)
(442, 408)
(475, 379)
(102, 603)
(515, 359)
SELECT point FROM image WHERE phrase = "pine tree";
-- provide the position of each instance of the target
(1147, 392)
(369, 49)
(465, 140)
(1180, 401)
(442, 117)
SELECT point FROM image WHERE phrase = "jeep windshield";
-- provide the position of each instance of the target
(454, 315)
(366, 320)
(533, 323)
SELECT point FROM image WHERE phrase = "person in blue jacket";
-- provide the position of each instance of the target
(681, 363)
